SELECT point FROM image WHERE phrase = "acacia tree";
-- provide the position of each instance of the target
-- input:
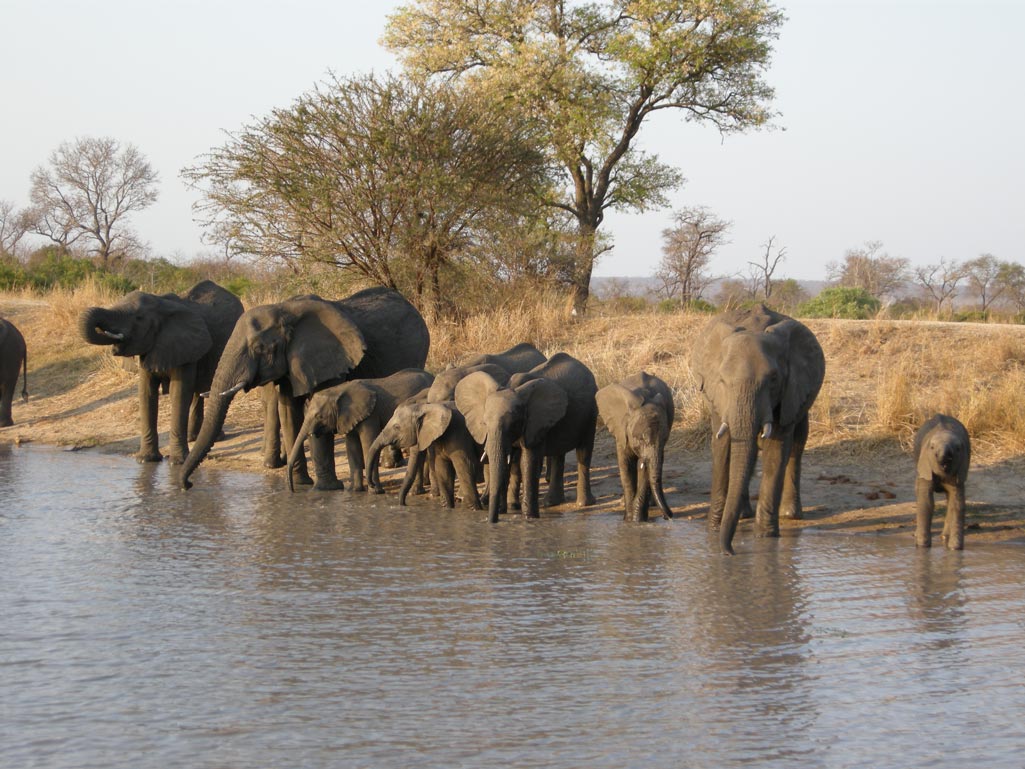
(14, 224)
(390, 177)
(870, 268)
(89, 190)
(985, 279)
(687, 249)
(940, 281)
(593, 72)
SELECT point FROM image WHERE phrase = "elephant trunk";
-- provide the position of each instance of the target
(374, 458)
(742, 461)
(497, 451)
(654, 477)
(233, 374)
(297, 449)
(98, 325)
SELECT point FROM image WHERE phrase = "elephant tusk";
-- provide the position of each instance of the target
(112, 335)
(767, 430)
(205, 395)
(722, 430)
(232, 390)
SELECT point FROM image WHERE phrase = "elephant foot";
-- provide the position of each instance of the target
(273, 462)
(357, 486)
(149, 456)
(791, 515)
(378, 489)
(176, 459)
(302, 479)
(330, 484)
(555, 498)
(587, 501)
(6, 422)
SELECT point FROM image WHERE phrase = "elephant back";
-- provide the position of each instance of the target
(395, 332)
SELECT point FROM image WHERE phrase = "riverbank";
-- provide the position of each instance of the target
(883, 378)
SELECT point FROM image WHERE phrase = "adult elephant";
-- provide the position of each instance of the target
(13, 360)
(303, 345)
(639, 413)
(544, 413)
(178, 341)
(760, 372)
(358, 410)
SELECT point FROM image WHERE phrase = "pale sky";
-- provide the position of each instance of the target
(904, 121)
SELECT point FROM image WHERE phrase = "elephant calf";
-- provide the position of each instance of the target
(357, 409)
(437, 431)
(638, 411)
(942, 455)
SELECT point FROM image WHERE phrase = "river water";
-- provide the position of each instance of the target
(238, 625)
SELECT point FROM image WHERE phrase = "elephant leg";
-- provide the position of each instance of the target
(627, 477)
(790, 503)
(466, 473)
(149, 392)
(183, 385)
(354, 454)
(585, 498)
(196, 418)
(953, 527)
(556, 494)
(444, 475)
(514, 492)
(272, 454)
(322, 451)
(720, 475)
(924, 506)
(290, 412)
(530, 469)
(775, 456)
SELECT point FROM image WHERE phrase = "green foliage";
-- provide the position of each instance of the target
(700, 305)
(12, 274)
(667, 306)
(841, 302)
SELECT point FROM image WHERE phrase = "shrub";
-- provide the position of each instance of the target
(841, 302)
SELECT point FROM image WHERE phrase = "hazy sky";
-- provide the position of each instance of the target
(904, 121)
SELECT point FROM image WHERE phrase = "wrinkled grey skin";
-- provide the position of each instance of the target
(395, 337)
(357, 409)
(518, 358)
(178, 341)
(13, 361)
(639, 413)
(444, 388)
(760, 372)
(942, 453)
(303, 345)
(438, 431)
(545, 413)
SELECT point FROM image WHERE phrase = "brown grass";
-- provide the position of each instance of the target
(883, 377)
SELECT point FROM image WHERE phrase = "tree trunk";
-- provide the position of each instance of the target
(583, 266)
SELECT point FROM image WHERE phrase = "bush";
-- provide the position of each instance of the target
(841, 302)
(700, 305)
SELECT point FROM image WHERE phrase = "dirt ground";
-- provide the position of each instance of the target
(83, 398)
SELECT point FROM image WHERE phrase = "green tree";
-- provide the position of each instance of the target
(593, 72)
(392, 178)
(89, 190)
(841, 302)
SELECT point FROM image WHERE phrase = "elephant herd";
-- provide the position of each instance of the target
(354, 367)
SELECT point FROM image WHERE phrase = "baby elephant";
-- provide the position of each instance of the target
(439, 431)
(942, 455)
(638, 411)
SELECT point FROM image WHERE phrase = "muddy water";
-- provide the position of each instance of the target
(237, 625)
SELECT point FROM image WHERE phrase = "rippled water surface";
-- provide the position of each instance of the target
(237, 625)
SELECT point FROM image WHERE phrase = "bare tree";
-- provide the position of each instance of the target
(763, 270)
(870, 268)
(940, 281)
(89, 190)
(984, 279)
(1012, 279)
(687, 250)
(14, 225)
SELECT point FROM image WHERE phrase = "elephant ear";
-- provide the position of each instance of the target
(182, 337)
(356, 402)
(546, 404)
(434, 421)
(472, 392)
(706, 354)
(806, 370)
(614, 402)
(324, 345)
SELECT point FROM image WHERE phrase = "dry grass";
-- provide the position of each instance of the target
(883, 377)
